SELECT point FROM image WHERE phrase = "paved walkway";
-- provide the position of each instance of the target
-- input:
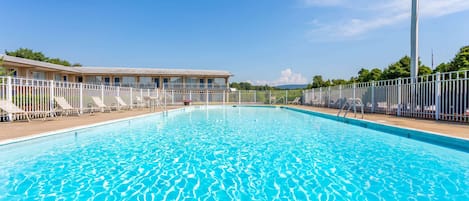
(11, 130)
(460, 130)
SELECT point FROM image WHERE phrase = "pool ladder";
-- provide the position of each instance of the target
(352, 103)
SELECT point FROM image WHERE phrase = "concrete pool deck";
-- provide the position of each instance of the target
(12, 130)
(18, 129)
(460, 130)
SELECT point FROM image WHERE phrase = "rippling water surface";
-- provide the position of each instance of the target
(231, 154)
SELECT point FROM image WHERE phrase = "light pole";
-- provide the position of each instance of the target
(414, 42)
(414, 54)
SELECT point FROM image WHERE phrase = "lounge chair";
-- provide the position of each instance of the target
(121, 104)
(139, 102)
(98, 102)
(14, 110)
(65, 107)
(296, 101)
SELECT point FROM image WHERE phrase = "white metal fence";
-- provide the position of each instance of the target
(441, 96)
(37, 96)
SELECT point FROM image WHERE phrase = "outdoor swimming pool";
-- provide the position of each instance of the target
(228, 153)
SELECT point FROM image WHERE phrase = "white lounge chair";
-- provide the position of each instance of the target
(296, 101)
(100, 104)
(65, 107)
(121, 103)
(14, 110)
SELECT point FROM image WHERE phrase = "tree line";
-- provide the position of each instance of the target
(399, 69)
(249, 86)
(38, 56)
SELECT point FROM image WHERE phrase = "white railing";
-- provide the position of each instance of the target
(441, 96)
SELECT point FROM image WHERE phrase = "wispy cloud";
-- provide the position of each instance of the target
(378, 14)
(287, 76)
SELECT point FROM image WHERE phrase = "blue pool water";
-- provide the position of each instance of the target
(231, 153)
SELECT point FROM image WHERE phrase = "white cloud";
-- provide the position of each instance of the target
(287, 76)
(380, 13)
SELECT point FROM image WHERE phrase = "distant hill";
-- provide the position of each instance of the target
(292, 86)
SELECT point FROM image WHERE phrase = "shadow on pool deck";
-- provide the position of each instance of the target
(11, 130)
(460, 130)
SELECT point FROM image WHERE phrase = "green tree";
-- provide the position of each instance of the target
(461, 60)
(38, 56)
(443, 67)
(363, 75)
(375, 74)
(27, 54)
(318, 82)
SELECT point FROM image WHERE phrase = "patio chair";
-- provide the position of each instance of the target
(139, 102)
(121, 104)
(98, 102)
(65, 107)
(14, 110)
(296, 101)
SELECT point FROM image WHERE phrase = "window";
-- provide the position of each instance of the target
(57, 77)
(219, 82)
(117, 81)
(65, 78)
(157, 82)
(79, 79)
(176, 82)
(210, 83)
(107, 81)
(94, 79)
(128, 81)
(202, 83)
(191, 82)
(145, 82)
(39, 75)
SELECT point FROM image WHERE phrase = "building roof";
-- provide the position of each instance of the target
(151, 71)
(116, 71)
(35, 63)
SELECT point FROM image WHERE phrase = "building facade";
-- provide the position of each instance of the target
(134, 77)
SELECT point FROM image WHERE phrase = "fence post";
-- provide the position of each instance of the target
(373, 96)
(190, 95)
(329, 96)
(239, 97)
(206, 97)
(437, 96)
(131, 99)
(399, 96)
(9, 95)
(354, 95)
(320, 97)
(172, 97)
(340, 95)
(141, 93)
(255, 98)
(118, 93)
(312, 97)
(102, 93)
(270, 97)
(223, 97)
(51, 97)
(286, 97)
(81, 98)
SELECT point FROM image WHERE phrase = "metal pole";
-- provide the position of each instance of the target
(414, 41)
(414, 56)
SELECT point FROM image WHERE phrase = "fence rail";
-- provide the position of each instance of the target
(441, 96)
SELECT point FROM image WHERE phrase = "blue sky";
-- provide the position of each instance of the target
(261, 41)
